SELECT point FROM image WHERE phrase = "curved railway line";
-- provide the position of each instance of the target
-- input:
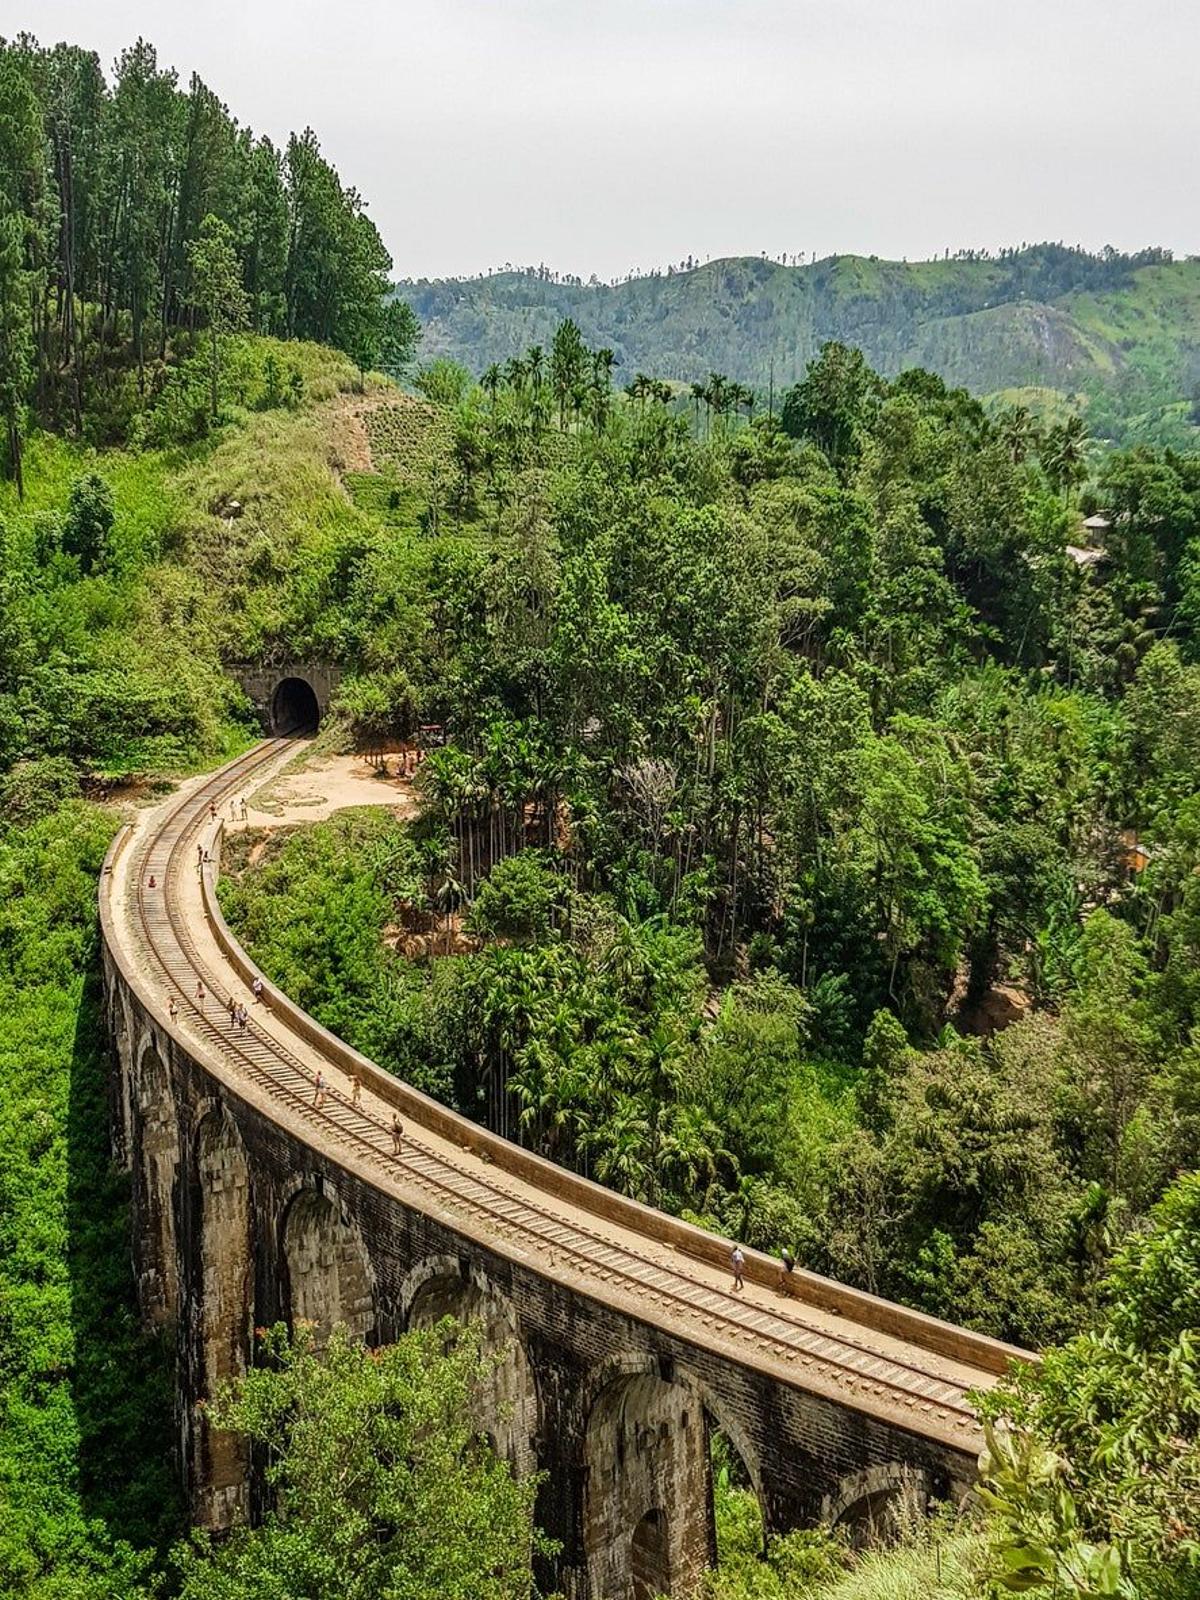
(883, 1360)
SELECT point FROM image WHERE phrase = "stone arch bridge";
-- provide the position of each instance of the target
(623, 1343)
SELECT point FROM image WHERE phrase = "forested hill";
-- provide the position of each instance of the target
(1120, 332)
(133, 213)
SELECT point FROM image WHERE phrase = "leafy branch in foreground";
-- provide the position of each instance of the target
(1099, 1492)
(382, 1488)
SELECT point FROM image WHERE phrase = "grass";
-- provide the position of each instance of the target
(923, 1568)
(936, 1560)
(410, 439)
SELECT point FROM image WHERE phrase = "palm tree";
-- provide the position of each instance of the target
(598, 404)
(699, 392)
(490, 383)
(449, 895)
(535, 365)
(1065, 454)
(1016, 430)
(515, 373)
(719, 388)
(639, 389)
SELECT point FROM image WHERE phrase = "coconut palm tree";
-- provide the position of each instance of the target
(535, 366)
(1017, 431)
(603, 362)
(639, 389)
(699, 392)
(1065, 454)
(515, 373)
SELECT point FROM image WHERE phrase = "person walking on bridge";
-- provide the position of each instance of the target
(397, 1133)
(256, 989)
(173, 1008)
(788, 1262)
(200, 993)
(355, 1089)
(738, 1262)
(318, 1098)
(232, 1010)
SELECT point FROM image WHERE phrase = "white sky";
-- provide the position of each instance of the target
(600, 135)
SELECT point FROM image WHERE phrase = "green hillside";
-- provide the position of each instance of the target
(1117, 334)
(812, 848)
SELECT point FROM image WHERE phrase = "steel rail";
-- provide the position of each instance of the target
(167, 939)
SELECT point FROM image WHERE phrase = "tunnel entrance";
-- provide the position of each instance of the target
(295, 708)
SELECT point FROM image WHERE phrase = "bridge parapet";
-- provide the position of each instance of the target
(622, 1345)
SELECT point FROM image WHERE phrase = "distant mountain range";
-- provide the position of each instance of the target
(1117, 336)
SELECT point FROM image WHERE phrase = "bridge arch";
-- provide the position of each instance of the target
(225, 1312)
(327, 1272)
(876, 1504)
(154, 1153)
(729, 1445)
(507, 1404)
(295, 706)
(647, 1526)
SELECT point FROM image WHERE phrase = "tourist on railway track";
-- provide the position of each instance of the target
(243, 808)
(153, 884)
(256, 989)
(232, 1010)
(318, 1098)
(212, 810)
(243, 1017)
(173, 1008)
(397, 1133)
(738, 1262)
(355, 1089)
(200, 993)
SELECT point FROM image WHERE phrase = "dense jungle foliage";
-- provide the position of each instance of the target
(786, 762)
(812, 845)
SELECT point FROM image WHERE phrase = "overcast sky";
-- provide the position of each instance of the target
(600, 135)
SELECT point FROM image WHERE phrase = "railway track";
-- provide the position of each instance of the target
(919, 1390)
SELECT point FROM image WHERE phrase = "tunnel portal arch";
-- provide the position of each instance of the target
(295, 707)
